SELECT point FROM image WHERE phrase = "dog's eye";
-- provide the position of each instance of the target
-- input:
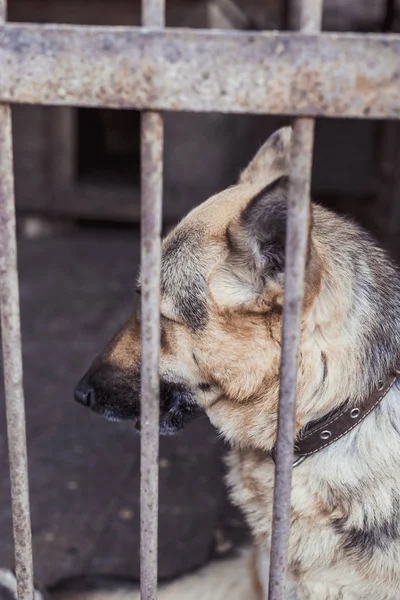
(170, 319)
(166, 318)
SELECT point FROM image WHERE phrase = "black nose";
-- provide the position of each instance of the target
(84, 394)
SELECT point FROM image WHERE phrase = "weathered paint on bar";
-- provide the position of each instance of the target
(3, 10)
(152, 144)
(296, 244)
(335, 75)
(311, 16)
(12, 360)
(152, 170)
(153, 13)
(295, 266)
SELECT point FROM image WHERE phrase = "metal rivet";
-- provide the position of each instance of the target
(380, 385)
(298, 460)
(325, 435)
(354, 413)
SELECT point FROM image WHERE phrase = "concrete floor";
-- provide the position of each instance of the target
(76, 291)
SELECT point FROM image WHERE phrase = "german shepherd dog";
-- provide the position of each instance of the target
(221, 320)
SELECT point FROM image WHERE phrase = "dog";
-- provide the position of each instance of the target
(221, 307)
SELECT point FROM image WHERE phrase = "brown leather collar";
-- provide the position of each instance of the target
(322, 433)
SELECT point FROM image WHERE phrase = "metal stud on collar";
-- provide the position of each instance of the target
(326, 434)
(354, 413)
(299, 460)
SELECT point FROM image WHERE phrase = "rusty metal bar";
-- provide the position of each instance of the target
(152, 144)
(332, 75)
(12, 360)
(311, 16)
(295, 268)
(152, 170)
(153, 13)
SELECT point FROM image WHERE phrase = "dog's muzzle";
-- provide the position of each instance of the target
(115, 394)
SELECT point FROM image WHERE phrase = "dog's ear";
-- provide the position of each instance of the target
(272, 160)
(256, 249)
(257, 241)
(252, 275)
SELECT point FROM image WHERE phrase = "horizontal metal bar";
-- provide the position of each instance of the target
(12, 359)
(333, 75)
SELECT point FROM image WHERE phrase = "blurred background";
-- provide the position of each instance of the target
(78, 201)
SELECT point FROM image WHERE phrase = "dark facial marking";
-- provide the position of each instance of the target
(204, 387)
(183, 279)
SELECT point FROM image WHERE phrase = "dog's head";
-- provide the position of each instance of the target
(221, 314)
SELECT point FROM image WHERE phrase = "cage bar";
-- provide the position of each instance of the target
(153, 13)
(152, 169)
(303, 73)
(12, 364)
(12, 360)
(152, 142)
(331, 75)
(295, 264)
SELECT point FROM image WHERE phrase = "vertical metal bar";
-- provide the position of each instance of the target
(153, 13)
(12, 359)
(296, 246)
(310, 18)
(152, 141)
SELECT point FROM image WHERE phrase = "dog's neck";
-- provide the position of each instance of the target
(318, 435)
(371, 450)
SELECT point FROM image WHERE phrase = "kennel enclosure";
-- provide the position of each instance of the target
(153, 69)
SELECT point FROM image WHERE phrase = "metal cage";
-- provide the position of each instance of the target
(305, 74)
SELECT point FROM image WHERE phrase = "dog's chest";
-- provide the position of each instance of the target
(330, 538)
(313, 540)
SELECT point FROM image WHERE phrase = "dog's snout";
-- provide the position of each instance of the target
(85, 394)
(109, 391)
